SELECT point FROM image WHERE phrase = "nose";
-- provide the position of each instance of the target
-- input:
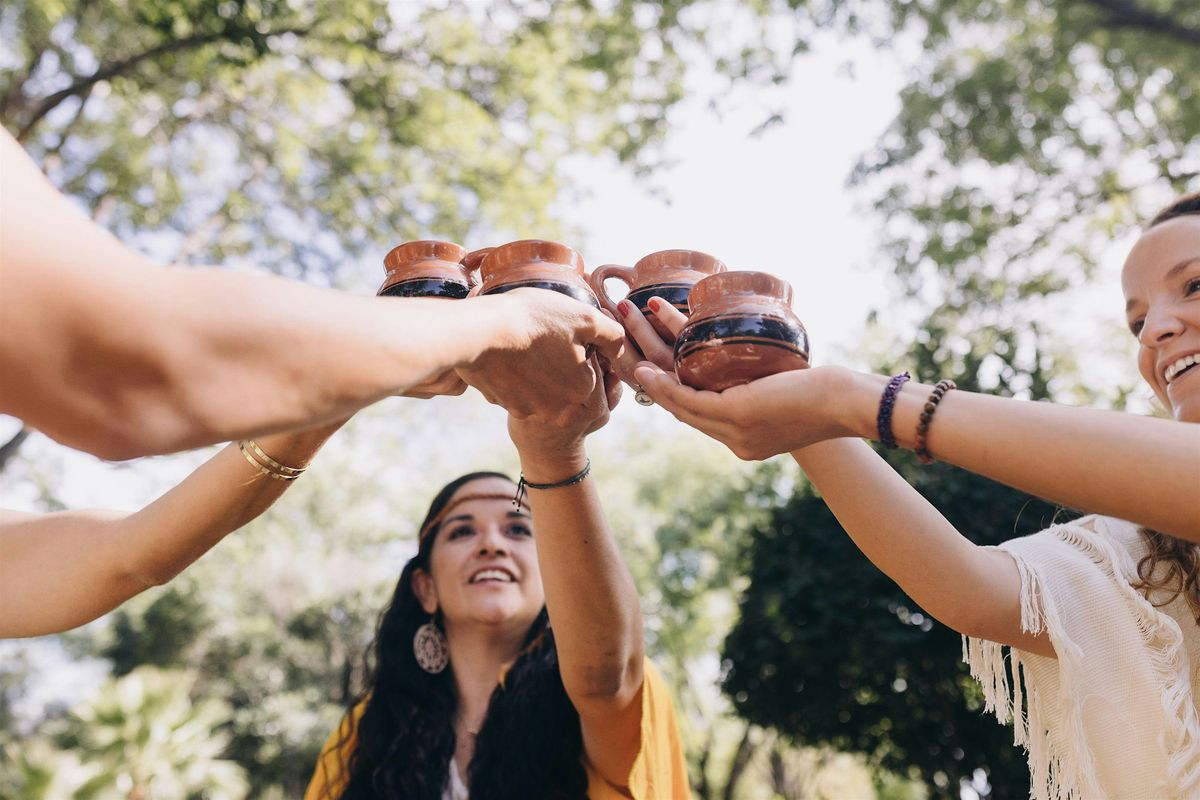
(492, 541)
(1160, 325)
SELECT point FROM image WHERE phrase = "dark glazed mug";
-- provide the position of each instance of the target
(669, 274)
(426, 268)
(741, 328)
(538, 264)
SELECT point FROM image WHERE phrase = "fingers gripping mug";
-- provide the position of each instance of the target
(741, 328)
(535, 263)
(426, 268)
(669, 274)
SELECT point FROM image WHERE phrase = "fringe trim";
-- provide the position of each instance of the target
(1064, 770)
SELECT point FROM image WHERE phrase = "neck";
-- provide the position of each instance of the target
(477, 654)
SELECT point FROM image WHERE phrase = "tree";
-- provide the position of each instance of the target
(1030, 135)
(142, 736)
(828, 651)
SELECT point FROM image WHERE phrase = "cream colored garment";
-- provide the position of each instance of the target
(1114, 715)
(455, 788)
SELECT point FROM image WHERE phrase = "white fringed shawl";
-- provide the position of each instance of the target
(1115, 714)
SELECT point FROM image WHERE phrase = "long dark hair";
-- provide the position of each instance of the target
(1181, 557)
(530, 745)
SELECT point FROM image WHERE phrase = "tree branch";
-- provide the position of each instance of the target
(1128, 14)
(115, 69)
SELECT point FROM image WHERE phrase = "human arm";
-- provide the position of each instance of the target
(108, 353)
(590, 595)
(1141, 469)
(61, 570)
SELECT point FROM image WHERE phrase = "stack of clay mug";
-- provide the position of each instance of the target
(740, 324)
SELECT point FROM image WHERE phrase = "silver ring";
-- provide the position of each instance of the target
(641, 397)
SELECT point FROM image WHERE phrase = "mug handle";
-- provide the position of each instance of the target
(601, 274)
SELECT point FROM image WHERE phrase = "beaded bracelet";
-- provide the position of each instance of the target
(931, 404)
(523, 484)
(887, 403)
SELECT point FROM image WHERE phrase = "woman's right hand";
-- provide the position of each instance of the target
(537, 352)
(777, 414)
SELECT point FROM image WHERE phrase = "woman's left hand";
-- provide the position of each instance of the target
(555, 444)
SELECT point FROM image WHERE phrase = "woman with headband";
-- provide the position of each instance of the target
(510, 661)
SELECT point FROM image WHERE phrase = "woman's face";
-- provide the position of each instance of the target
(1161, 280)
(483, 567)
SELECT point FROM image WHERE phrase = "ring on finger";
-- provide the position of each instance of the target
(641, 397)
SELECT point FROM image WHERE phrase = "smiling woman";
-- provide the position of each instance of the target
(471, 687)
(473, 600)
(1101, 614)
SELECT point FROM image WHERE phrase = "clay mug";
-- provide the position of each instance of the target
(535, 263)
(669, 274)
(471, 262)
(426, 268)
(741, 328)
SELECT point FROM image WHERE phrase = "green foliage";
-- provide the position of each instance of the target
(828, 651)
(1029, 136)
(303, 134)
(143, 735)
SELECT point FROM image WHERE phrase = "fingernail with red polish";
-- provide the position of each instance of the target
(623, 308)
(654, 304)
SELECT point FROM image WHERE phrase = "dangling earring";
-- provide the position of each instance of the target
(430, 648)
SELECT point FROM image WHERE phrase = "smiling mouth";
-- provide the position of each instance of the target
(493, 576)
(1179, 367)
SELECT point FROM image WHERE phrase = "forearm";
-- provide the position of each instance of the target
(106, 352)
(214, 356)
(590, 594)
(1137, 468)
(970, 589)
(58, 571)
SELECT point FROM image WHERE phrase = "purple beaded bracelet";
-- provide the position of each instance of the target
(883, 421)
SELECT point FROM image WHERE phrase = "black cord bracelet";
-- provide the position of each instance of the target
(523, 484)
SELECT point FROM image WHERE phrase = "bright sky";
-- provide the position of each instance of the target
(776, 201)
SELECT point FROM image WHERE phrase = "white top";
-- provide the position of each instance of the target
(455, 788)
(1114, 715)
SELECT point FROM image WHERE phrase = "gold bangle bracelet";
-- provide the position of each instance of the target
(271, 463)
(264, 469)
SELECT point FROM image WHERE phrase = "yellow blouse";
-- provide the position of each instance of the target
(659, 771)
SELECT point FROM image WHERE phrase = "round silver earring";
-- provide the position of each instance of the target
(430, 648)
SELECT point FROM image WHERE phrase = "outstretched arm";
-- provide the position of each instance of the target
(590, 595)
(106, 352)
(1140, 469)
(58, 571)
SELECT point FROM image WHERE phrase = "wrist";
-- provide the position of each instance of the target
(480, 323)
(858, 409)
(551, 465)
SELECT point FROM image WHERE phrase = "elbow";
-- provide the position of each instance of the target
(613, 679)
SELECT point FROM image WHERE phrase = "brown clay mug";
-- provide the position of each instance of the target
(535, 263)
(426, 268)
(669, 274)
(472, 260)
(741, 328)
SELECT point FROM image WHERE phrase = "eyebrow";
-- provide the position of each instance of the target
(471, 517)
(1171, 273)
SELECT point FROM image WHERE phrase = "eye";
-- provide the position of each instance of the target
(1136, 327)
(1191, 287)
(459, 532)
(520, 529)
